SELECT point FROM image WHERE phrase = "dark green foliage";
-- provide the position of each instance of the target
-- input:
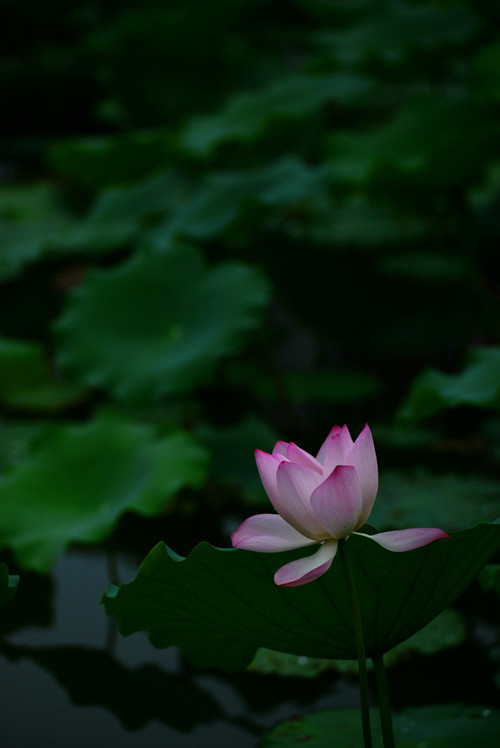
(227, 223)
(76, 481)
(8, 585)
(219, 605)
(436, 727)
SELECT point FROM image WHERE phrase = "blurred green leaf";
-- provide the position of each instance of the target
(287, 184)
(15, 440)
(232, 451)
(157, 324)
(27, 381)
(362, 222)
(478, 386)
(121, 215)
(391, 29)
(220, 605)
(29, 218)
(246, 115)
(421, 499)
(430, 727)
(8, 585)
(490, 578)
(426, 142)
(100, 161)
(78, 480)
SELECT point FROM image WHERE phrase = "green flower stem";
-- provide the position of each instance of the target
(384, 703)
(360, 644)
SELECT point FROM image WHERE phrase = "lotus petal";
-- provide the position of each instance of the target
(362, 456)
(337, 502)
(296, 484)
(324, 447)
(305, 570)
(406, 540)
(301, 457)
(280, 448)
(337, 450)
(268, 533)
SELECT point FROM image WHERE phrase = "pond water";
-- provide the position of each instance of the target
(68, 678)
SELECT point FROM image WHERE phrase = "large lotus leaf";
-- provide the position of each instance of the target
(392, 28)
(445, 726)
(8, 585)
(427, 142)
(294, 97)
(478, 385)
(220, 605)
(423, 499)
(77, 480)
(157, 324)
(286, 184)
(447, 630)
(27, 382)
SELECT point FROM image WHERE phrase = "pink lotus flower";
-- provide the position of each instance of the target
(320, 499)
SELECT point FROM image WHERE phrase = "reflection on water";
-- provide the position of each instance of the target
(67, 679)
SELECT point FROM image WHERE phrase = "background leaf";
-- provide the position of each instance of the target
(158, 324)
(434, 727)
(247, 114)
(418, 498)
(478, 385)
(27, 382)
(78, 480)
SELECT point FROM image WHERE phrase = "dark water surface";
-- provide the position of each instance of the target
(68, 679)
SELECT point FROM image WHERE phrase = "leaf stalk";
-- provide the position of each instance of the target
(360, 644)
(384, 703)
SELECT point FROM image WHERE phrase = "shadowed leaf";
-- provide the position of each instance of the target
(432, 726)
(219, 606)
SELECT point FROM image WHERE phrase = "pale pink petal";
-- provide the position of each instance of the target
(268, 533)
(295, 485)
(280, 448)
(337, 501)
(305, 570)
(267, 465)
(362, 456)
(337, 450)
(406, 540)
(322, 450)
(301, 457)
